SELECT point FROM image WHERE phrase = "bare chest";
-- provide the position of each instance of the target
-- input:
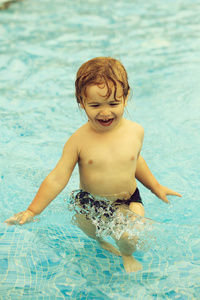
(99, 152)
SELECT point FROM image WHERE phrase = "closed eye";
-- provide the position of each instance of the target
(94, 105)
(114, 103)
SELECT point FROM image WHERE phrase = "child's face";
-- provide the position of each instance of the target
(104, 113)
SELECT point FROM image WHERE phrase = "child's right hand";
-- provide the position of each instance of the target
(21, 218)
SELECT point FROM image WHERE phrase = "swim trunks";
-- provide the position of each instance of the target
(84, 203)
(134, 198)
(103, 214)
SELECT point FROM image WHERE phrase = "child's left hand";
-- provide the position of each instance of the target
(161, 192)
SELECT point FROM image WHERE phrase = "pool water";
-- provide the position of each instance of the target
(42, 45)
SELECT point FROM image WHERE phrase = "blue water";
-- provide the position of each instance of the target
(42, 44)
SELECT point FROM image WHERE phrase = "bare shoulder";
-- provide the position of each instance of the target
(76, 139)
(135, 127)
(80, 133)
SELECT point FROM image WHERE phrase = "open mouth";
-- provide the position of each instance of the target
(105, 122)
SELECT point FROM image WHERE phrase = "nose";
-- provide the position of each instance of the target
(105, 112)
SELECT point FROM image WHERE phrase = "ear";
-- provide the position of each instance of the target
(126, 99)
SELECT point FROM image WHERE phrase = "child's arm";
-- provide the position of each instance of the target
(144, 175)
(53, 184)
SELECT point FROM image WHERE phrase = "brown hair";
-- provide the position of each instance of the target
(101, 70)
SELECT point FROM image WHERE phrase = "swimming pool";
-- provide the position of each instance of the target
(42, 46)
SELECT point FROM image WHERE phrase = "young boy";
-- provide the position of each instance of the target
(107, 150)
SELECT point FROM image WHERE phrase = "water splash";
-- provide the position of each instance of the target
(110, 221)
(107, 218)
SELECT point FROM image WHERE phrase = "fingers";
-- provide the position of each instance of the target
(164, 199)
(20, 218)
(14, 220)
(9, 222)
(23, 219)
(169, 192)
(173, 193)
(27, 216)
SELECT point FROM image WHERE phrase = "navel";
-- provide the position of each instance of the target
(90, 161)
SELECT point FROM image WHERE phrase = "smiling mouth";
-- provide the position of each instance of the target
(105, 122)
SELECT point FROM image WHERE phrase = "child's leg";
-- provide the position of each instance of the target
(90, 230)
(128, 246)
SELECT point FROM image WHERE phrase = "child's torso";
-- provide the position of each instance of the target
(107, 162)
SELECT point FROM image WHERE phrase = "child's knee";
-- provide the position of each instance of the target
(125, 238)
(137, 208)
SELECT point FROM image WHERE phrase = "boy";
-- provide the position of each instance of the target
(107, 150)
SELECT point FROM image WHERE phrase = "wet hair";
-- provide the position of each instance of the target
(101, 70)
